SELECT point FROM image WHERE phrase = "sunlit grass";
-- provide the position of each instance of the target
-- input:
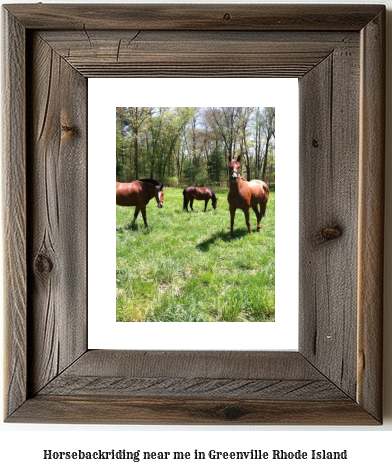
(185, 267)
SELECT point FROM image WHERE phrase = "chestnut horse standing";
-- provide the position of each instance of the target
(200, 194)
(245, 195)
(138, 193)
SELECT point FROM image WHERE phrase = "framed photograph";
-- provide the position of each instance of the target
(188, 267)
(337, 54)
(185, 265)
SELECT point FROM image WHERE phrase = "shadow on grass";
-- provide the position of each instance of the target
(133, 227)
(221, 235)
(199, 211)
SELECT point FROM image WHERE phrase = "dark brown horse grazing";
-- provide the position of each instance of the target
(138, 193)
(200, 194)
(245, 195)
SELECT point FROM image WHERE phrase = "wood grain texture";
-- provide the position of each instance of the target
(57, 202)
(14, 211)
(205, 364)
(103, 409)
(329, 98)
(192, 387)
(336, 376)
(194, 17)
(371, 216)
(129, 53)
(178, 374)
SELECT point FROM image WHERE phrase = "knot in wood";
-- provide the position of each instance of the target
(43, 264)
(227, 16)
(315, 143)
(232, 412)
(328, 233)
(69, 128)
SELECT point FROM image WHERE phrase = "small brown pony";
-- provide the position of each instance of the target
(138, 193)
(245, 195)
(200, 194)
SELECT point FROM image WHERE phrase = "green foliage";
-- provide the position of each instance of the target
(193, 143)
(171, 181)
(185, 267)
(190, 171)
(216, 165)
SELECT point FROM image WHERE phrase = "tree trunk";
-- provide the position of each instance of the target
(136, 156)
(265, 157)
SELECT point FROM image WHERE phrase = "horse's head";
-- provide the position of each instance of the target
(215, 203)
(159, 195)
(235, 168)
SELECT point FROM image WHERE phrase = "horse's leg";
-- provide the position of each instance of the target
(206, 201)
(232, 216)
(144, 215)
(191, 203)
(135, 216)
(258, 216)
(247, 218)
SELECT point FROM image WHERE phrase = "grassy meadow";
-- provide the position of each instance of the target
(186, 268)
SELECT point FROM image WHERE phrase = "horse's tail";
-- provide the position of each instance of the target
(185, 200)
(263, 204)
(266, 191)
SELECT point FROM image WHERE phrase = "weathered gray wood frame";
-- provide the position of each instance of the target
(337, 52)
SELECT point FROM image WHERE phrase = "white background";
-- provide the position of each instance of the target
(21, 446)
(104, 96)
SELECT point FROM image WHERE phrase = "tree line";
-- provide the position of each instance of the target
(191, 145)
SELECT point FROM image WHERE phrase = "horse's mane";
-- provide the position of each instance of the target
(151, 181)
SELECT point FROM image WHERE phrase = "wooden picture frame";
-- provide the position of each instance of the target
(338, 54)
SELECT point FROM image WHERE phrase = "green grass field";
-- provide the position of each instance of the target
(186, 268)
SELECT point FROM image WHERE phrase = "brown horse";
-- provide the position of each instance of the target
(200, 194)
(138, 193)
(245, 195)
